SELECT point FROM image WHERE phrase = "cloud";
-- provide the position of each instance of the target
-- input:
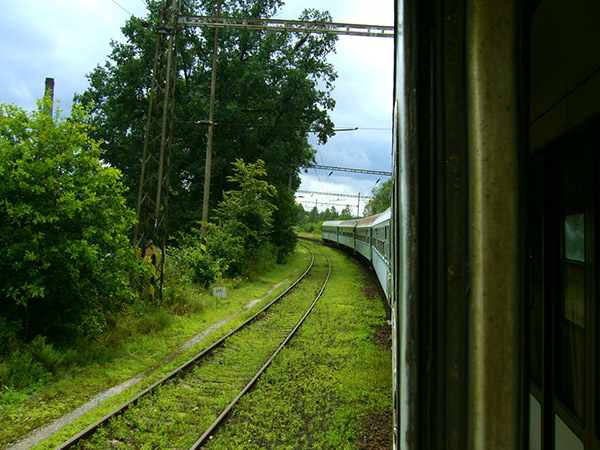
(67, 39)
(363, 96)
(62, 40)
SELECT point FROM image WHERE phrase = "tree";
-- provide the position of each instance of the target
(65, 256)
(346, 213)
(284, 219)
(382, 199)
(245, 215)
(272, 88)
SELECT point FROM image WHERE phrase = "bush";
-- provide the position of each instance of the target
(191, 265)
(242, 240)
(63, 225)
(23, 370)
(260, 260)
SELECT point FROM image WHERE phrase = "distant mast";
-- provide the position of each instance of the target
(49, 92)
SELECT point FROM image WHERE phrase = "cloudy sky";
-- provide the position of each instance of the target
(66, 39)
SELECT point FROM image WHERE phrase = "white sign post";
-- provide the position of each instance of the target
(220, 292)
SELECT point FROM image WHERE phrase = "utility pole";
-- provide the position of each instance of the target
(211, 126)
(150, 234)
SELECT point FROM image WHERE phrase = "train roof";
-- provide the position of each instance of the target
(331, 223)
(349, 223)
(367, 222)
(383, 217)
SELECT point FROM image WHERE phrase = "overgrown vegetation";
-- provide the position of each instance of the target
(326, 385)
(173, 416)
(65, 256)
(68, 188)
(144, 336)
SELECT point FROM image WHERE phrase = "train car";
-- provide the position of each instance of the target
(330, 231)
(381, 250)
(371, 239)
(347, 236)
(364, 236)
(494, 296)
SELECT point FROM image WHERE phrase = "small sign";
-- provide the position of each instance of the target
(220, 292)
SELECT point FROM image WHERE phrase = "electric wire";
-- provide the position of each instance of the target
(121, 6)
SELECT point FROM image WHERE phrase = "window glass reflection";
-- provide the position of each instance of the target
(574, 237)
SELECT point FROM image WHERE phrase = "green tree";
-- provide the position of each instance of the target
(346, 213)
(246, 213)
(271, 89)
(284, 219)
(65, 256)
(382, 199)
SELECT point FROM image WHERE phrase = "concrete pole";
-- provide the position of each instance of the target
(211, 118)
(49, 96)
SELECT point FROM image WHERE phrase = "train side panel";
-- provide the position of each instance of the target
(347, 236)
(330, 231)
(381, 258)
(364, 234)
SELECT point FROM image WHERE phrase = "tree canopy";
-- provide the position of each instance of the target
(272, 88)
(382, 198)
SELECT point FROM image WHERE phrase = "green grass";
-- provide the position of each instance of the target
(177, 413)
(136, 344)
(322, 389)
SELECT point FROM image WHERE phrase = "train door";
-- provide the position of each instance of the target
(563, 223)
(563, 293)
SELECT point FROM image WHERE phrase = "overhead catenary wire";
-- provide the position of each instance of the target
(122, 7)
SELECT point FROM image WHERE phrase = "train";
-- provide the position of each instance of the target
(492, 231)
(368, 237)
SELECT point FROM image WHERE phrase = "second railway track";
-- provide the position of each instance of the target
(186, 406)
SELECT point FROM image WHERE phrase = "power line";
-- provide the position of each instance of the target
(339, 205)
(121, 6)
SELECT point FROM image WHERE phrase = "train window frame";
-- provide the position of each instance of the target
(570, 336)
(560, 198)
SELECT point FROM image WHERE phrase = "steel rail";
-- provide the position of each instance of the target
(209, 431)
(92, 428)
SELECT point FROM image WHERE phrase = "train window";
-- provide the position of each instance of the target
(570, 326)
(574, 237)
(570, 358)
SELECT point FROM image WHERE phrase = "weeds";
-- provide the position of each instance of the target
(40, 381)
(177, 412)
(317, 394)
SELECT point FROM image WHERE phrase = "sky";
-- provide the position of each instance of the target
(66, 39)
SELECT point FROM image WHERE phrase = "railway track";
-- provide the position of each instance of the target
(195, 398)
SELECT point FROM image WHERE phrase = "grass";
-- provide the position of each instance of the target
(322, 390)
(177, 413)
(137, 343)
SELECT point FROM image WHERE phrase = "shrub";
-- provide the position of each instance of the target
(63, 224)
